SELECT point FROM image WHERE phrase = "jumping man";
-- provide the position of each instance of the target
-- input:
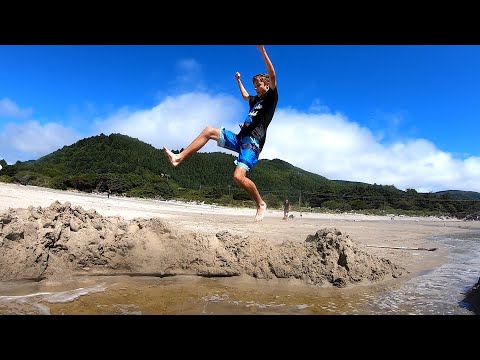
(249, 142)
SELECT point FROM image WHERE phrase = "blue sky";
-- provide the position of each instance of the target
(402, 115)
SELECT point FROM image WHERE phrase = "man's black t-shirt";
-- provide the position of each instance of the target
(260, 115)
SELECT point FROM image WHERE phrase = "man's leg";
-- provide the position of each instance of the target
(241, 179)
(209, 133)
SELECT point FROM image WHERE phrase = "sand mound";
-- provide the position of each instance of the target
(62, 240)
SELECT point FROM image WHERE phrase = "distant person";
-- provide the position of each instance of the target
(248, 143)
(108, 193)
(286, 209)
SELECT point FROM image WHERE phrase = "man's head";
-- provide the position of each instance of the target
(261, 83)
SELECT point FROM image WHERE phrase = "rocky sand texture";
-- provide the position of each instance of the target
(64, 241)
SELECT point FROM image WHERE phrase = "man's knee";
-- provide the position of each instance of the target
(212, 132)
(238, 178)
(239, 174)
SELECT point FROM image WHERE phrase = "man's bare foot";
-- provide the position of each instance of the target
(172, 158)
(261, 212)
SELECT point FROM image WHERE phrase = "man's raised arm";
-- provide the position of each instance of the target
(269, 65)
(243, 91)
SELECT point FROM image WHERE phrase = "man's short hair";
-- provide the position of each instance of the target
(265, 78)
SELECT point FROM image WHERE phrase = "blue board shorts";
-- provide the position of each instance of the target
(248, 148)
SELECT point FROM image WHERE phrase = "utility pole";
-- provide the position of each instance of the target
(300, 195)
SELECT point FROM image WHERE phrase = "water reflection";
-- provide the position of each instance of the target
(439, 291)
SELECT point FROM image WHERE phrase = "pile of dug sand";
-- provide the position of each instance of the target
(64, 241)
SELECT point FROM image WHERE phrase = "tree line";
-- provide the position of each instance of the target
(127, 166)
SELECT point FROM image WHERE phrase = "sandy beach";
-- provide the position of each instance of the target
(93, 254)
(402, 232)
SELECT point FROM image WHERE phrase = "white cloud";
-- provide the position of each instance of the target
(339, 149)
(327, 144)
(10, 108)
(188, 68)
(31, 140)
(190, 76)
(176, 121)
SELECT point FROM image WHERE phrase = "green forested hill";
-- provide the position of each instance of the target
(128, 166)
(105, 154)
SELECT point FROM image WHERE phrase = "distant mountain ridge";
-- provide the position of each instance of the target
(460, 194)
